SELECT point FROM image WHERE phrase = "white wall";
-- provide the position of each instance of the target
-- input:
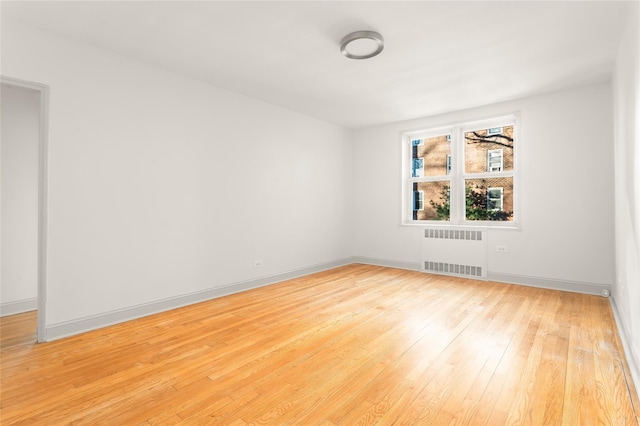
(161, 186)
(20, 114)
(566, 164)
(627, 184)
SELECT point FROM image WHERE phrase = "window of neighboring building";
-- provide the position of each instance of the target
(494, 160)
(463, 174)
(417, 167)
(418, 200)
(494, 198)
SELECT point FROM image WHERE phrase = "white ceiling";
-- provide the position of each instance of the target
(438, 56)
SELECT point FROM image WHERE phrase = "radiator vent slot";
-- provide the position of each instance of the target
(456, 252)
(453, 269)
(454, 234)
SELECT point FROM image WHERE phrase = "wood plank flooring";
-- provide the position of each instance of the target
(355, 345)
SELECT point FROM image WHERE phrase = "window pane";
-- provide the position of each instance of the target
(435, 200)
(434, 152)
(481, 150)
(489, 199)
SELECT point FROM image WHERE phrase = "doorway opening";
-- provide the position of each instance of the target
(24, 199)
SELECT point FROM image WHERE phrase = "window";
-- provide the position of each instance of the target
(417, 167)
(494, 160)
(494, 198)
(418, 200)
(463, 174)
(417, 163)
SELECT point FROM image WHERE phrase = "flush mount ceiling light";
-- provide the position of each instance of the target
(362, 45)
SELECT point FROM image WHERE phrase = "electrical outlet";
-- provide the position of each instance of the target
(257, 263)
(502, 249)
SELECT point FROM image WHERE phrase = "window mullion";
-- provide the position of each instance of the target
(457, 184)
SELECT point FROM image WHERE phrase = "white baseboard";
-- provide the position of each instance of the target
(553, 284)
(18, 306)
(93, 322)
(632, 356)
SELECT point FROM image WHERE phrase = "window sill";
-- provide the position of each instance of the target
(466, 225)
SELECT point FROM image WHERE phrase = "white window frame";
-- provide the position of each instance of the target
(458, 176)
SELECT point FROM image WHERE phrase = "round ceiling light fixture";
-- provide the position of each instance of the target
(362, 45)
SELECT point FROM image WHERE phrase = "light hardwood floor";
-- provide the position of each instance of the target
(354, 345)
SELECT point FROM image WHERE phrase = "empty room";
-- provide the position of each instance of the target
(320, 212)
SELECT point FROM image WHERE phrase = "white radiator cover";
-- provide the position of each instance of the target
(455, 252)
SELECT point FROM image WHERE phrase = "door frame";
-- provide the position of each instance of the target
(43, 160)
